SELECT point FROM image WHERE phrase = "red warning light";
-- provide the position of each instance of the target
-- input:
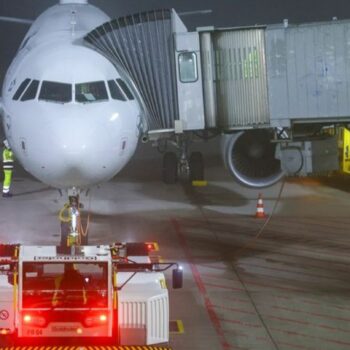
(152, 246)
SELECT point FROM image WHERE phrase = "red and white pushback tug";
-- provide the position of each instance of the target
(111, 293)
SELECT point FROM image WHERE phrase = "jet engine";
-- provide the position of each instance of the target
(250, 158)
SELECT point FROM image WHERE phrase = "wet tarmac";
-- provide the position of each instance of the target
(275, 283)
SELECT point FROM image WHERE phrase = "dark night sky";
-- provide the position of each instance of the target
(225, 13)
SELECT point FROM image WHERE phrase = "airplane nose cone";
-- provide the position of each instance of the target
(84, 153)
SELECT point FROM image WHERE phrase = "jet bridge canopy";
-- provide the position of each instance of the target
(146, 48)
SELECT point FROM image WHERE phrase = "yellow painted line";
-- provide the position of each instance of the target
(198, 183)
(180, 326)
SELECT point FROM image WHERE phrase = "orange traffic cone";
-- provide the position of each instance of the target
(260, 208)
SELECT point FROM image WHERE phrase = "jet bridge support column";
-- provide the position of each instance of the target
(161, 62)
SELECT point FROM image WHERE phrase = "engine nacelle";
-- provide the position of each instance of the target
(250, 158)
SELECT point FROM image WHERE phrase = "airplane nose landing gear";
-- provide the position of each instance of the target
(72, 233)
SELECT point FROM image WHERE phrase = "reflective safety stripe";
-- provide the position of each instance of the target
(7, 155)
(8, 167)
(7, 180)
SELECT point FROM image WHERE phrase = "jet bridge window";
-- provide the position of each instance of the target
(188, 67)
(125, 88)
(115, 90)
(91, 92)
(21, 88)
(30, 93)
(55, 92)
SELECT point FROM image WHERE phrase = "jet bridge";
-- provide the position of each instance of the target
(269, 89)
(230, 78)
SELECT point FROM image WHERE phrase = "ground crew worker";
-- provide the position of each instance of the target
(7, 163)
(72, 283)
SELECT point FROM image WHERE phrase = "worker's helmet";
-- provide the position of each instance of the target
(6, 144)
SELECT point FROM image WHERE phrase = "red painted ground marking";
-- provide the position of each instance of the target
(294, 272)
(245, 324)
(311, 302)
(328, 317)
(235, 289)
(304, 301)
(284, 319)
(318, 338)
(234, 309)
(274, 286)
(212, 267)
(239, 300)
(263, 339)
(243, 334)
(201, 287)
(236, 333)
(271, 286)
(210, 275)
(278, 259)
(296, 346)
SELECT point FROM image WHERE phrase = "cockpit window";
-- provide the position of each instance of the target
(55, 92)
(125, 88)
(116, 93)
(21, 88)
(30, 93)
(91, 92)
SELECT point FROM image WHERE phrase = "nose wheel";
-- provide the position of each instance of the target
(72, 232)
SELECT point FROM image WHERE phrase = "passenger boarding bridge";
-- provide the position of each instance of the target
(277, 93)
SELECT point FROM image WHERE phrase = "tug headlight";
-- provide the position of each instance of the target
(95, 320)
(34, 320)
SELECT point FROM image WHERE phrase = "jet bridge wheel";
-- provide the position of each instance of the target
(169, 168)
(196, 165)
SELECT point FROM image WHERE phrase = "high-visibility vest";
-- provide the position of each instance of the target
(7, 159)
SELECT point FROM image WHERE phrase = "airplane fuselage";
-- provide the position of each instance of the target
(68, 114)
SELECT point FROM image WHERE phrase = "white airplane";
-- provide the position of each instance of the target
(68, 115)
(73, 122)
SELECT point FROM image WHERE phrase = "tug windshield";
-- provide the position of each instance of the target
(65, 285)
